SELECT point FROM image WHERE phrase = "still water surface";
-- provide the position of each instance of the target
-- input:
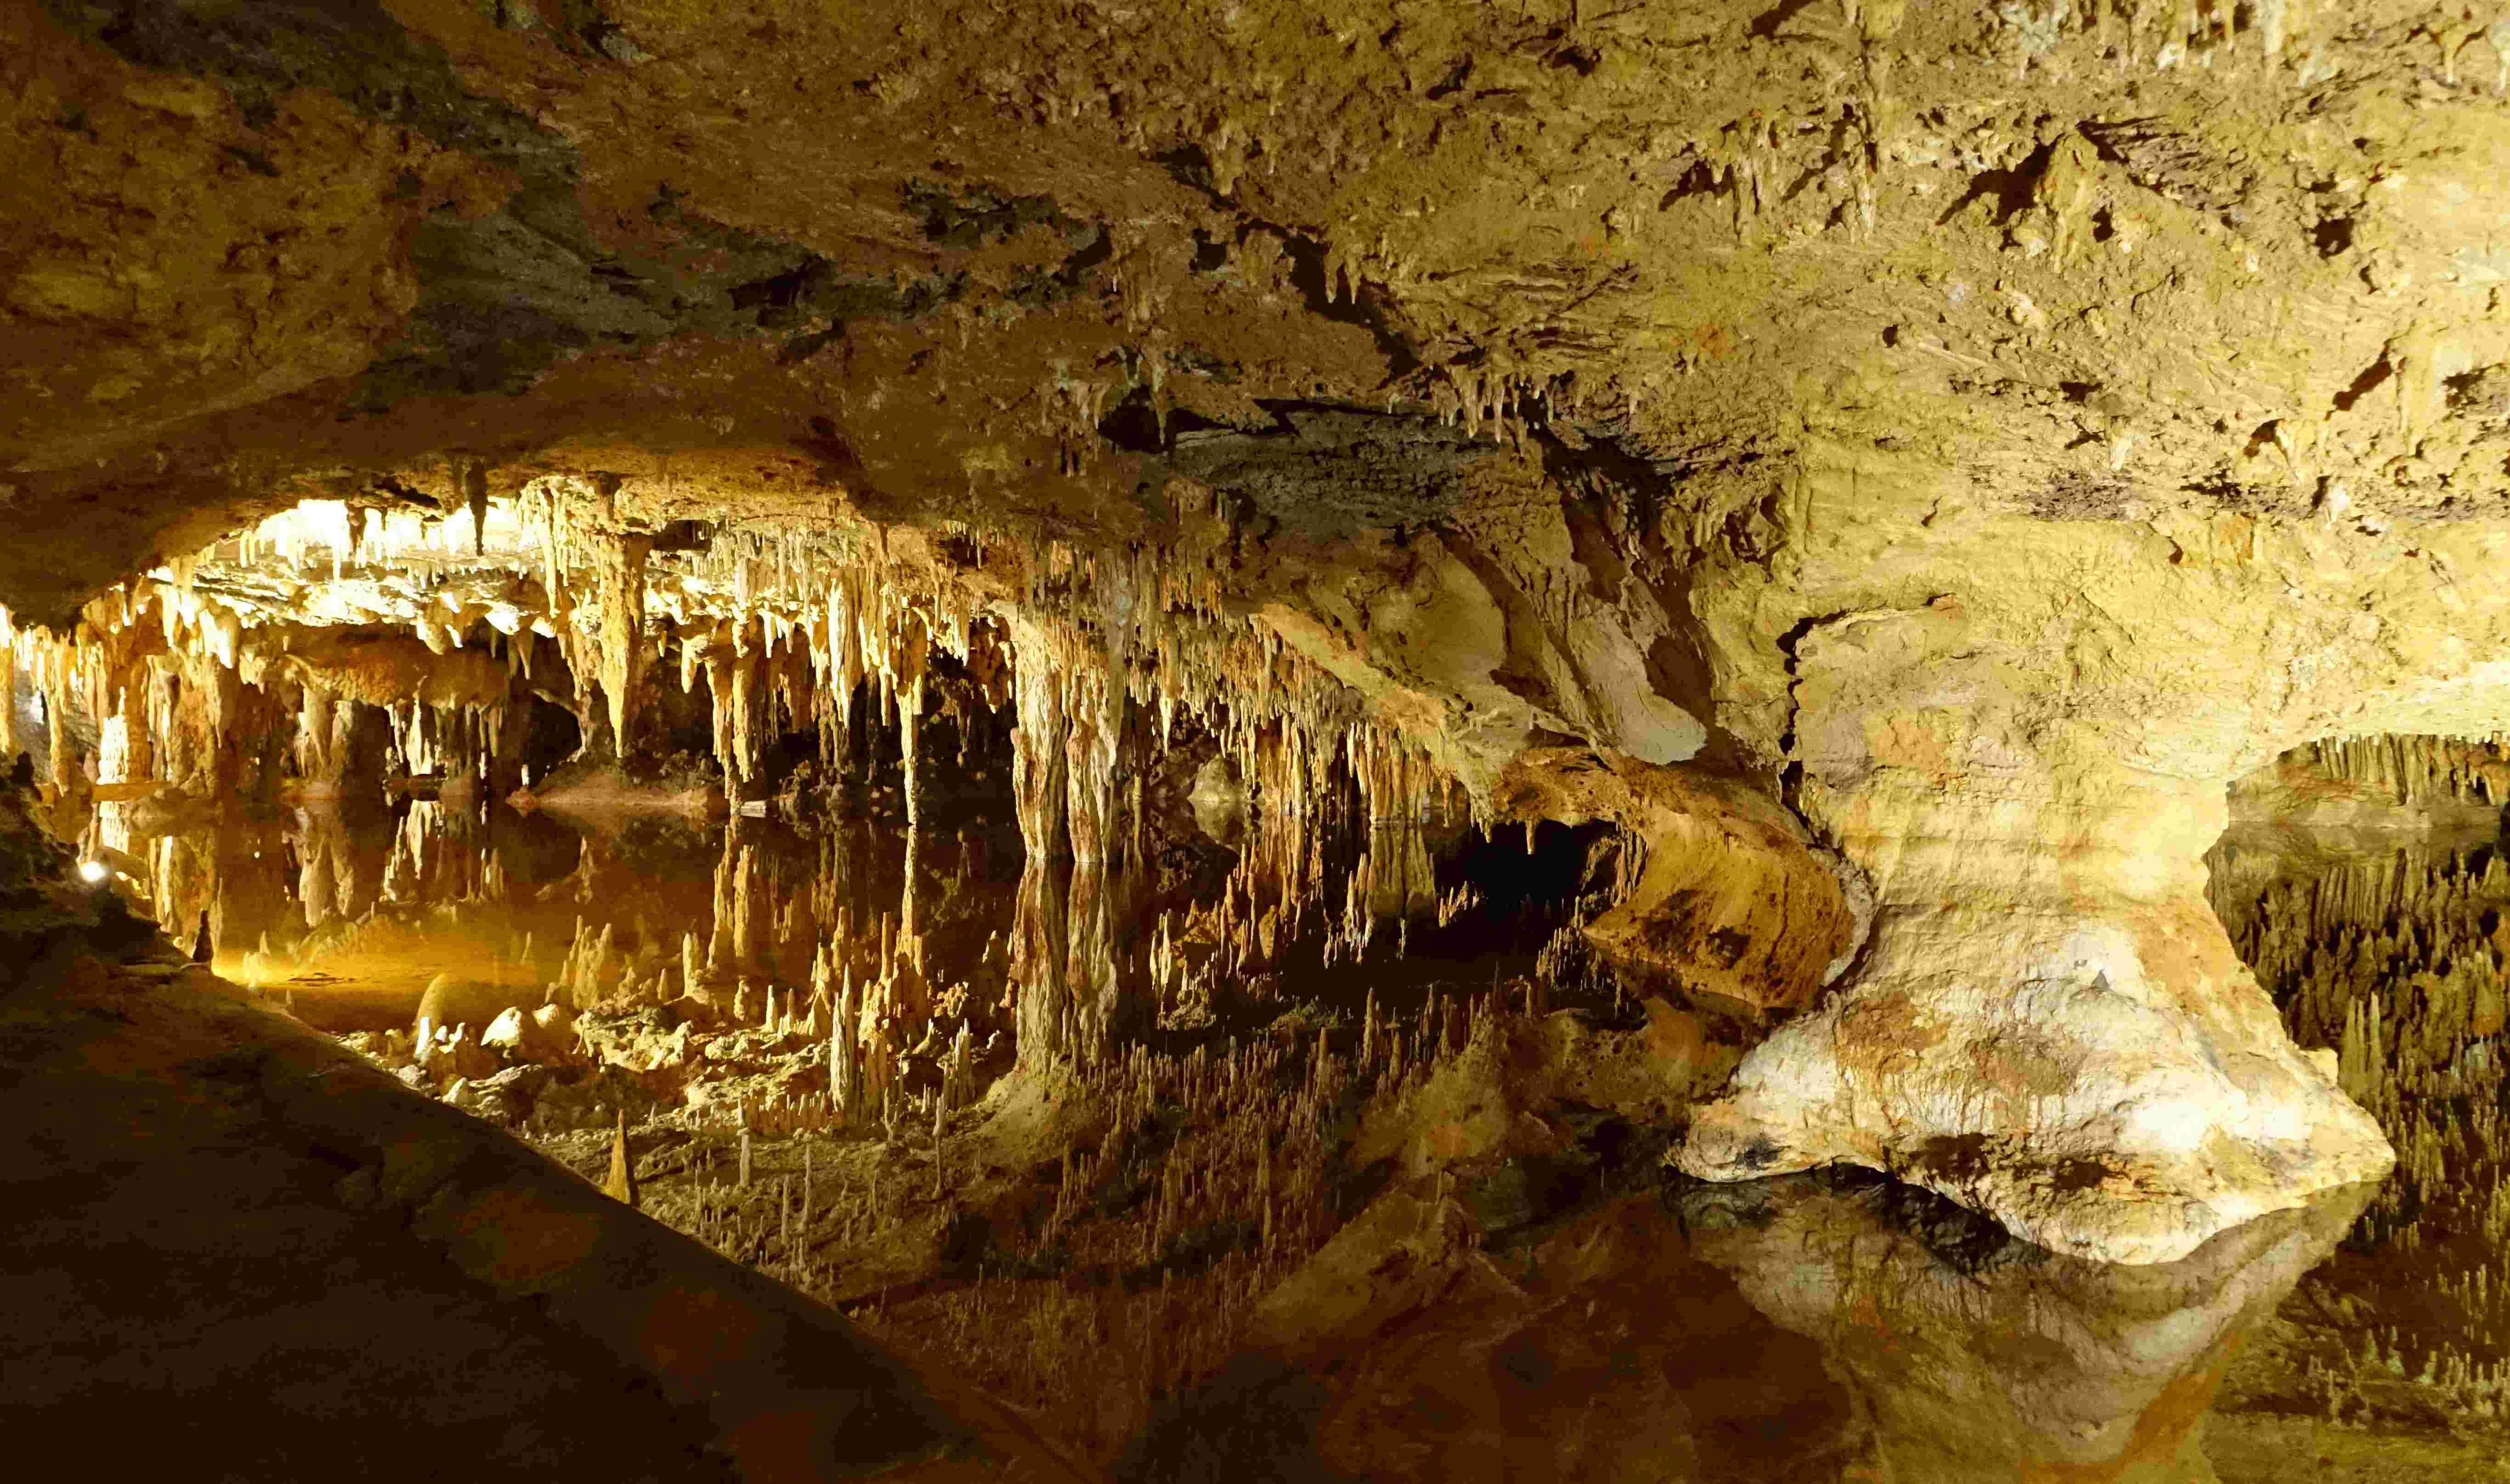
(1828, 1326)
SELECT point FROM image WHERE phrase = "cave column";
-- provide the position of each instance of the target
(314, 734)
(1040, 919)
(732, 664)
(1091, 977)
(2047, 1021)
(1395, 786)
(8, 690)
(509, 738)
(344, 747)
(912, 665)
(913, 769)
(1076, 993)
(64, 751)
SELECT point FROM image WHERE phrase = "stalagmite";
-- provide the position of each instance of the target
(622, 1183)
(845, 1053)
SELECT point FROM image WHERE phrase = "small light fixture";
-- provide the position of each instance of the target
(93, 870)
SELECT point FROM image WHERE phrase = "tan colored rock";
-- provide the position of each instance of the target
(2049, 1022)
(454, 1053)
(538, 1037)
(451, 1000)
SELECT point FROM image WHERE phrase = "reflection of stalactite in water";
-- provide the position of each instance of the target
(2395, 952)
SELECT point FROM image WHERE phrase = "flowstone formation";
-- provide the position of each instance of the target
(1889, 466)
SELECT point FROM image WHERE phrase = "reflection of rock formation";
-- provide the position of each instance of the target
(1978, 1357)
(1791, 1329)
(254, 1241)
(360, 908)
(2390, 944)
(235, 875)
(342, 859)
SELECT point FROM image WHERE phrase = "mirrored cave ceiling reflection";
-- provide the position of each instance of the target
(1829, 1326)
(1835, 1325)
(815, 901)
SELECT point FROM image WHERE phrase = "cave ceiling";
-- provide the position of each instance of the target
(1025, 263)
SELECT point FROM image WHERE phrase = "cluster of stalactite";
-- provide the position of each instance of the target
(1335, 810)
(139, 706)
(1110, 654)
(151, 690)
(2418, 772)
(337, 648)
(2400, 959)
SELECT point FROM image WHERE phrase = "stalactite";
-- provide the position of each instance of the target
(1103, 656)
(2418, 772)
(475, 494)
(624, 657)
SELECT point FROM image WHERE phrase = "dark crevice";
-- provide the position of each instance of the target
(1191, 166)
(968, 217)
(1328, 468)
(2009, 189)
(1135, 426)
(2365, 384)
(1768, 22)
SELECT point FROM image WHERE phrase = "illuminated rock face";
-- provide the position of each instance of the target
(2073, 1047)
(1896, 465)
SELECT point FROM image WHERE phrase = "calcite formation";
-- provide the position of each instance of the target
(1892, 464)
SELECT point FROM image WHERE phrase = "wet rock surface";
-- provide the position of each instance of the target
(1829, 1328)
